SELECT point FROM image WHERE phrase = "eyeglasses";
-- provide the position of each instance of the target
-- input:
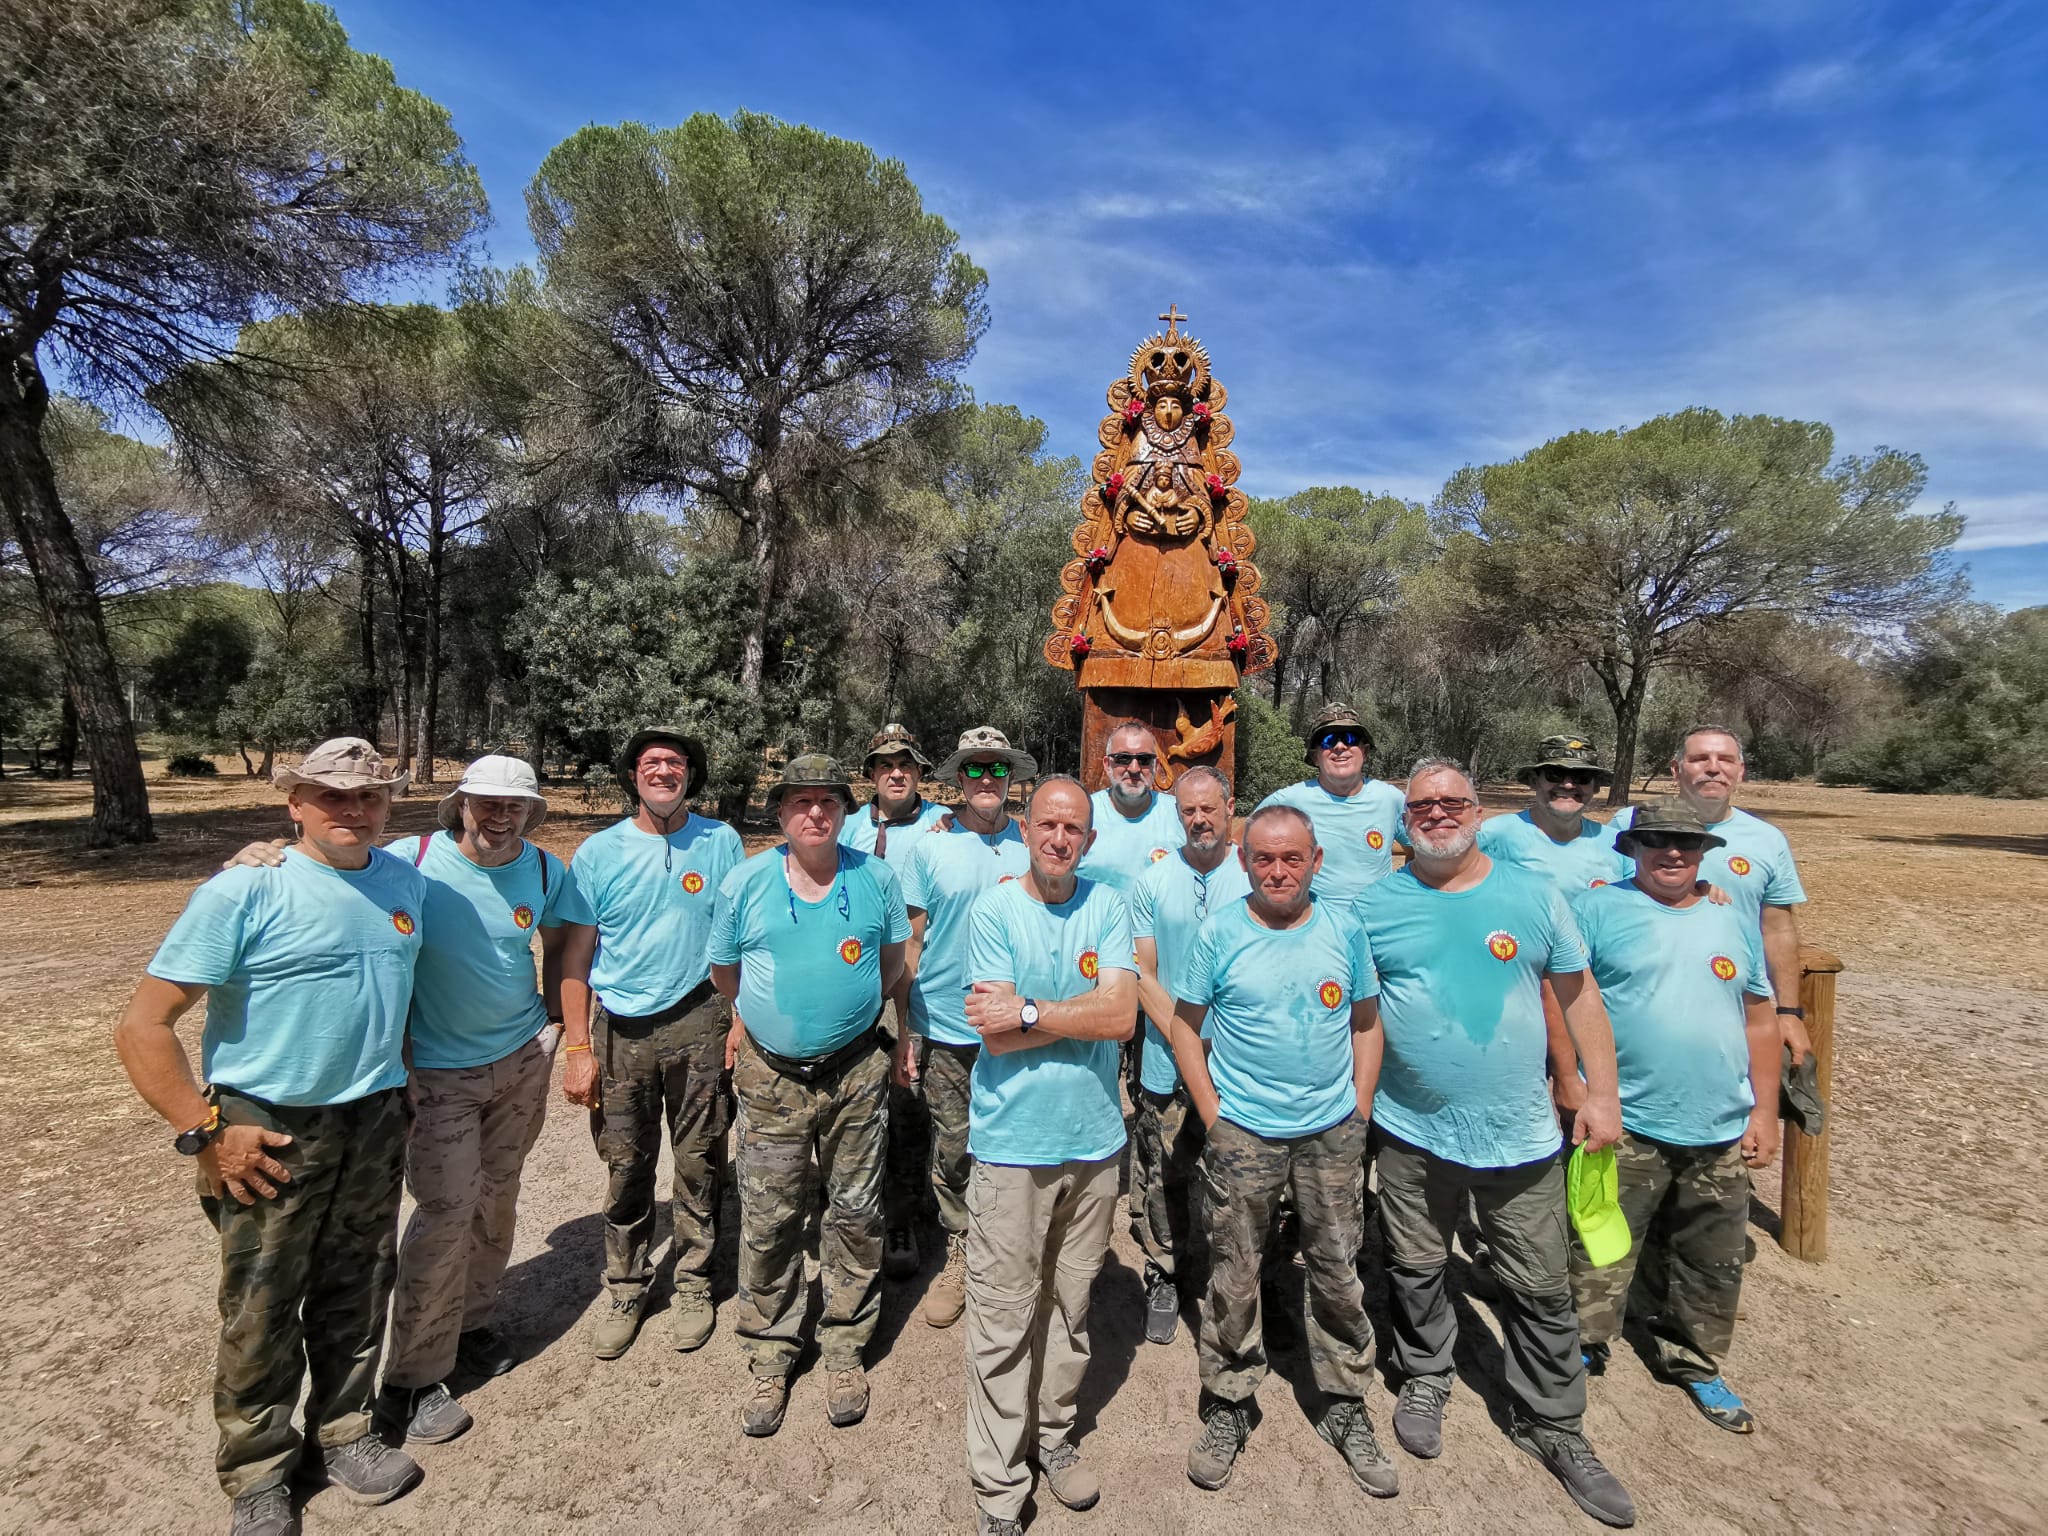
(652, 765)
(1449, 805)
(1685, 841)
(992, 770)
(1331, 739)
(1134, 759)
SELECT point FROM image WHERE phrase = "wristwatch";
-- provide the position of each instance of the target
(1027, 1015)
(1797, 1013)
(195, 1141)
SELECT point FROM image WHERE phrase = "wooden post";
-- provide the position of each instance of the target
(1803, 1202)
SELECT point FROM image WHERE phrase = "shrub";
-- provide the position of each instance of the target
(187, 765)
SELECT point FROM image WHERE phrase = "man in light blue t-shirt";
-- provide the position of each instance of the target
(1462, 946)
(1135, 825)
(1696, 1044)
(978, 846)
(1168, 906)
(299, 1134)
(657, 1037)
(1281, 986)
(807, 941)
(1054, 989)
(1357, 818)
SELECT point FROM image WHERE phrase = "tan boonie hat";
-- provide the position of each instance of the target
(1334, 716)
(1668, 815)
(1569, 753)
(888, 741)
(495, 778)
(812, 770)
(346, 762)
(987, 741)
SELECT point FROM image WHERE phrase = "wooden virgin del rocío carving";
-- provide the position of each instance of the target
(1159, 616)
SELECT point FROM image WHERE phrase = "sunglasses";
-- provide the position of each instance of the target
(1450, 805)
(1686, 841)
(1134, 759)
(1331, 739)
(1577, 776)
(991, 770)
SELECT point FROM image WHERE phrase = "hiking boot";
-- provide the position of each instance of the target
(1717, 1400)
(900, 1258)
(986, 1524)
(1069, 1478)
(766, 1400)
(947, 1298)
(484, 1352)
(1224, 1432)
(266, 1512)
(1346, 1425)
(1419, 1418)
(1162, 1306)
(366, 1470)
(847, 1402)
(422, 1415)
(611, 1334)
(1571, 1460)
(690, 1316)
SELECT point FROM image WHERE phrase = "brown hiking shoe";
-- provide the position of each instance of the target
(689, 1319)
(847, 1402)
(762, 1409)
(1069, 1478)
(611, 1335)
(947, 1298)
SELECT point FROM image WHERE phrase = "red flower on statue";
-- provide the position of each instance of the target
(1080, 646)
(1134, 410)
(1215, 485)
(1113, 487)
(1238, 644)
(1201, 411)
(1226, 562)
(1098, 560)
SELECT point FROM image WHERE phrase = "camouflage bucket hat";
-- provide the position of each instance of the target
(811, 770)
(1568, 753)
(987, 741)
(346, 762)
(888, 741)
(1670, 815)
(1334, 717)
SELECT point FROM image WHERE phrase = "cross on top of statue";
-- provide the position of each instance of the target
(1173, 318)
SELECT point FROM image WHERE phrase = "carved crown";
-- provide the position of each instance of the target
(1169, 364)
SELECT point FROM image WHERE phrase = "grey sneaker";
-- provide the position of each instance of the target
(1224, 1432)
(1571, 1460)
(986, 1524)
(900, 1258)
(765, 1403)
(1346, 1425)
(423, 1415)
(1069, 1478)
(266, 1512)
(1162, 1306)
(366, 1470)
(611, 1334)
(690, 1316)
(1419, 1418)
(846, 1402)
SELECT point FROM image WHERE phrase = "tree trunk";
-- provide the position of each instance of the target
(71, 609)
(67, 739)
(430, 647)
(764, 555)
(1627, 704)
(369, 698)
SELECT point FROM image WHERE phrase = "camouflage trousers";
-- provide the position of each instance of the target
(1243, 1177)
(472, 1129)
(1692, 1203)
(948, 1082)
(1166, 1141)
(907, 1196)
(669, 1062)
(843, 1118)
(305, 1279)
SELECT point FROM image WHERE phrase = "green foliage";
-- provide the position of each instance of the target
(290, 699)
(189, 765)
(1269, 751)
(192, 681)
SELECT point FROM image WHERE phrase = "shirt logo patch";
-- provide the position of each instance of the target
(1595, 885)
(1502, 945)
(523, 915)
(1738, 865)
(1158, 854)
(693, 882)
(1090, 966)
(1006, 880)
(1724, 967)
(1331, 994)
(849, 951)
(1375, 839)
(402, 921)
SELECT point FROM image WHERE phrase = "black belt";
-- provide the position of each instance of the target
(689, 1002)
(810, 1070)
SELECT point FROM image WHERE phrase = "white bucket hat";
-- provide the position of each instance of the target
(495, 778)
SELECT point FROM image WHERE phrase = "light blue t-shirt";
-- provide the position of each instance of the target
(1125, 847)
(1057, 1102)
(1673, 979)
(949, 871)
(310, 970)
(652, 897)
(861, 831)
(1168, 905)
(474, 998)
(1461, 1000)
(1754, 866)
(1356, 832)
(1586, 861)
(810, 971)
(1279, 1023)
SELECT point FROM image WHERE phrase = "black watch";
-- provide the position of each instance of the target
(195, 1141)
(1797, 1013)
(1027, 1015)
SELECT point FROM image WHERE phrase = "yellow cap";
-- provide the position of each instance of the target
(1593, 1194)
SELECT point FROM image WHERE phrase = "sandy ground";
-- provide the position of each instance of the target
(1900, 1385)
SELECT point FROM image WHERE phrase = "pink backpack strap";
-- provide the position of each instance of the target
(420, 856)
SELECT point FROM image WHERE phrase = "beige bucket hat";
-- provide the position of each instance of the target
(495, 778)
(346, 762)
(987, 741)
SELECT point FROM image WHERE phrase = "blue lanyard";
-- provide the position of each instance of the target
(838, 887)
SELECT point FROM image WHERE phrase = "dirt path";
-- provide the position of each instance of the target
(1903, 1385)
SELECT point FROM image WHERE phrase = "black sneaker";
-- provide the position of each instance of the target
(1419, 1418)
(900, 1257)
(366, 1470)
(266, 1512)
(484, 1352)
(1571, 1460)
(422, 1415)
(1224, 1432)
(1162, 1306)
(1346, 1425)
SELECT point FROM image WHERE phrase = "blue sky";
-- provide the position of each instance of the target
(1413, 236)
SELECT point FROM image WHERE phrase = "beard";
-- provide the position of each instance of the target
(1452, 845)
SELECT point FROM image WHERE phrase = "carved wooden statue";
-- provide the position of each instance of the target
(1160, 614)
